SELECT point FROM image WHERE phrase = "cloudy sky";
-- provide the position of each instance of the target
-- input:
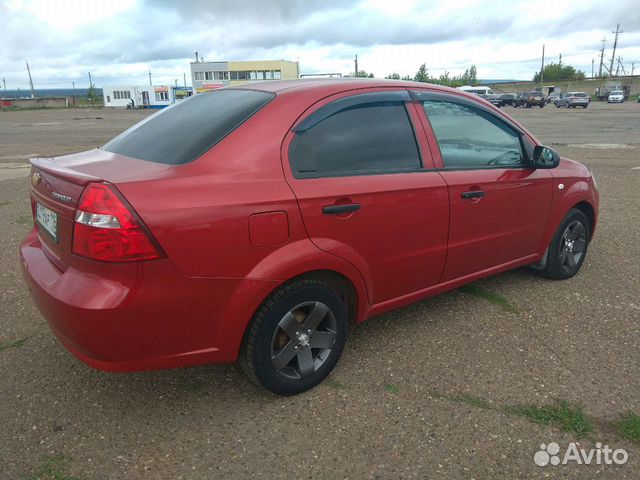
(120, 41)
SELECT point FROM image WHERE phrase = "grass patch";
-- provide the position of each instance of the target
(7, 345)
(52, 468)
(494, 298)
(391, 388)
(561, 414)
(629, 427)
(333, 383)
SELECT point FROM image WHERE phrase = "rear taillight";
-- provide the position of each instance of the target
(106, 229)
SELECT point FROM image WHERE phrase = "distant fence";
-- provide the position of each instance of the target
(588, 85)
(39, 102)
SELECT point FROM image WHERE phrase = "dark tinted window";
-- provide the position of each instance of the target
(184, 131)
(367, 138)
(470, 138)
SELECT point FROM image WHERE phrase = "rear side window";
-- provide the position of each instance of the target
(184, 131)
(363, 139)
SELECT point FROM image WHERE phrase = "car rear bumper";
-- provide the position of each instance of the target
(141, 315)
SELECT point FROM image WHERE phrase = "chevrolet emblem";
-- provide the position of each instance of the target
(36, 178)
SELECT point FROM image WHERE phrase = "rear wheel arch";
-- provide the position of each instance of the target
(338, 281)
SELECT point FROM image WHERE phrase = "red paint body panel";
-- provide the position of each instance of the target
(504, 225)
(268, 228)
(235, 224)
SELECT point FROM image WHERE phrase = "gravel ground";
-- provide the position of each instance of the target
(417, 393)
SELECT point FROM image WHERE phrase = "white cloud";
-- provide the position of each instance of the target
(120, 41)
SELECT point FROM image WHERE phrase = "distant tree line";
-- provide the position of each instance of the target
(557, 71)
(469, 77)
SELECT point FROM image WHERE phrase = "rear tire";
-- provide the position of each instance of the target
(568, 247)
(296, 337)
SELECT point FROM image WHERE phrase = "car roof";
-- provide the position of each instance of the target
(335, 85)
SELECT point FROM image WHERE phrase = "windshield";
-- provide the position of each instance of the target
(579, 94)
(616, 92)
(184, 131)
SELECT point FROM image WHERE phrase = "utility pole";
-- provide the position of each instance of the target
(4, 83)
(33, 94)
(633, 67)
(91, 89)
(560, 60)
(593, 60)
(542, 67)
(184, 79)
(620, 67)
(176, 82)
(356, 62)
(604, 39)
(615, 44)
(150, 84)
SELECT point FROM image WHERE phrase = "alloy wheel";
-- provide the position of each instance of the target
(303, 340)
(572, 245)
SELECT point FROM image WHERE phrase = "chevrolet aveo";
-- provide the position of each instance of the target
(253, 224)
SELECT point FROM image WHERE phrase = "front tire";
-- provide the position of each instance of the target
(296, 337)
(568, 247)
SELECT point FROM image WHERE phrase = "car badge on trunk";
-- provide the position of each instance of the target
(36, 178)
(61, 197)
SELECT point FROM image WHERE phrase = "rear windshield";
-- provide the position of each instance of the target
(579, 94)
(184, 131)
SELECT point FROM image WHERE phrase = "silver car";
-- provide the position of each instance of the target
(573, 100)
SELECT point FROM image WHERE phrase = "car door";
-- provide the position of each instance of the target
(499, 205)
(367, 190)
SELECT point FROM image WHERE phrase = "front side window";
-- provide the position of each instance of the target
(470, 138)
(362, 139)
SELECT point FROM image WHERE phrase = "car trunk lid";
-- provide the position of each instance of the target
(57, 184)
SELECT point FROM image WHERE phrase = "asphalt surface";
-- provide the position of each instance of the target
(417, 393)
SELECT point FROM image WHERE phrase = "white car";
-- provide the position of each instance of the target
(617, 96)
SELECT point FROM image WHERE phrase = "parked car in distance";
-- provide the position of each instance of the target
(573, 100)
(255, 223)
(617, 96)
(552, 97)
(507, 99)
(530, 99)
(484, 92)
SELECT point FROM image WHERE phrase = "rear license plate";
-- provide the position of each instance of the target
(47, 220)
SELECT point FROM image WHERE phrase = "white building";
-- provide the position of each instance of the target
(156, 96)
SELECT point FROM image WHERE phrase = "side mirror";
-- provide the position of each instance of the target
(544, 157)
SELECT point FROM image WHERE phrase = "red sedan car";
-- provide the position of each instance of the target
(252, 224)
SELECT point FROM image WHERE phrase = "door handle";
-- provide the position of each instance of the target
(335, 209)
(473, 194)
